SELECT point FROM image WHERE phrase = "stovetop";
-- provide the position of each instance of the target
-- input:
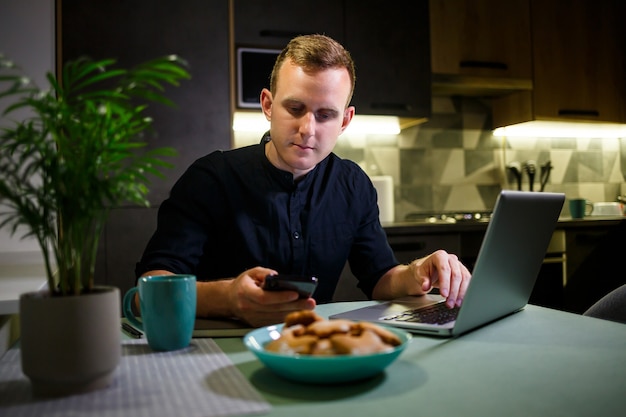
(449, 217)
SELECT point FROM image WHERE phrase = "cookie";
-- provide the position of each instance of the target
(326, 328)
(292, 341)
(307, 333)
(366, 343)
(304, 317)
(386, 335)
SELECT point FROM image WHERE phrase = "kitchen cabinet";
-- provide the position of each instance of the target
(583, 261)
(391, 50)
(548, 289)
(136, 32)
(271, 23)
(480, 46)
(578, 65)
(389, 45)
(412, 241)
(125, 237)
(595, 255)
(407, 246)
(133, 32)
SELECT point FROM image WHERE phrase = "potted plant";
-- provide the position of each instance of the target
(78, 153)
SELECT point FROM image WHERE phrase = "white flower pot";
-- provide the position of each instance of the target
(70, 344)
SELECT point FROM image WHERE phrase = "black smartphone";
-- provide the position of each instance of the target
(304, 286)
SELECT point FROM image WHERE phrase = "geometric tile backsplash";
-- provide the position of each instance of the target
(453, 163)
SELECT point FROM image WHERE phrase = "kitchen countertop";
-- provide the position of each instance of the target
(20, 272)
(566, 222)
(411, 227)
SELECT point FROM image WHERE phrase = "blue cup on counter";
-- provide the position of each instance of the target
(580, 207)
(168, 310)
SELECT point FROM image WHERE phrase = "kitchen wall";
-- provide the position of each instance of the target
(27, 38)
(453, 162)
(450, 163)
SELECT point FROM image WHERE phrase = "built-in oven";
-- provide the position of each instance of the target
(552, 278)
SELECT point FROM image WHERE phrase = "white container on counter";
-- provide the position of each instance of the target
(384, 188)
(607, 209)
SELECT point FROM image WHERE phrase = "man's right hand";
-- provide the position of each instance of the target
(244, 298)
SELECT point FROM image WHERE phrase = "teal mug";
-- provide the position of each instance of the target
(580, 207)
(168, 309)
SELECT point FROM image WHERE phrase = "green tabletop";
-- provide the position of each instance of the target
(538, 362)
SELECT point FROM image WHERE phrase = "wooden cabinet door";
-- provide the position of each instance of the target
(390, 47)
(271, 23)
(480, 38)
(578, 63)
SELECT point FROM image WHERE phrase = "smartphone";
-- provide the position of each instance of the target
(304, 286)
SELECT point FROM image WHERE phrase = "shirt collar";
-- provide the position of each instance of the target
(285, 178)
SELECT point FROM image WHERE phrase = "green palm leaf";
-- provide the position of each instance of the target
(79, 154)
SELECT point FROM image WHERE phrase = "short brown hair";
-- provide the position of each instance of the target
(315, 53)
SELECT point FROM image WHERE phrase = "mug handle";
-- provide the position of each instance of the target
(589, 205)
(128, 310)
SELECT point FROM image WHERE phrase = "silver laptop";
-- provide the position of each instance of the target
(503, 278)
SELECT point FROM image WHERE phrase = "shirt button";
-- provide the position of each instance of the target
(296, 235)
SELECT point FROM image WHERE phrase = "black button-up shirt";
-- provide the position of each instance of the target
(233, 210)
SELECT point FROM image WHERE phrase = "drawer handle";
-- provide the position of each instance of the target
(391, 106)
(272, 33)
(573, 112)
(484, 64)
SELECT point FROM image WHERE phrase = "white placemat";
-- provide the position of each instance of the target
(197, 381)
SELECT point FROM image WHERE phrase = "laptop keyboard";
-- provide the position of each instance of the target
(435, 314)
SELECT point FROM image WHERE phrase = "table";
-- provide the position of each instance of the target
(538, 362)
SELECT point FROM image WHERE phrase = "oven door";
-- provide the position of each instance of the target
(552, 278)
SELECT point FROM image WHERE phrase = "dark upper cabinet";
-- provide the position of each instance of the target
(133, 32)
(390, 45)
(594, 262)
(271, 23)
(136, 31)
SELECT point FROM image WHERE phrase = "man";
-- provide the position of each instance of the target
(288, 205)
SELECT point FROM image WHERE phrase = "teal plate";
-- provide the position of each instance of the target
(321, 369)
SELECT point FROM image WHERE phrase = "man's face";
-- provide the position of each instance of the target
(307, 114)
